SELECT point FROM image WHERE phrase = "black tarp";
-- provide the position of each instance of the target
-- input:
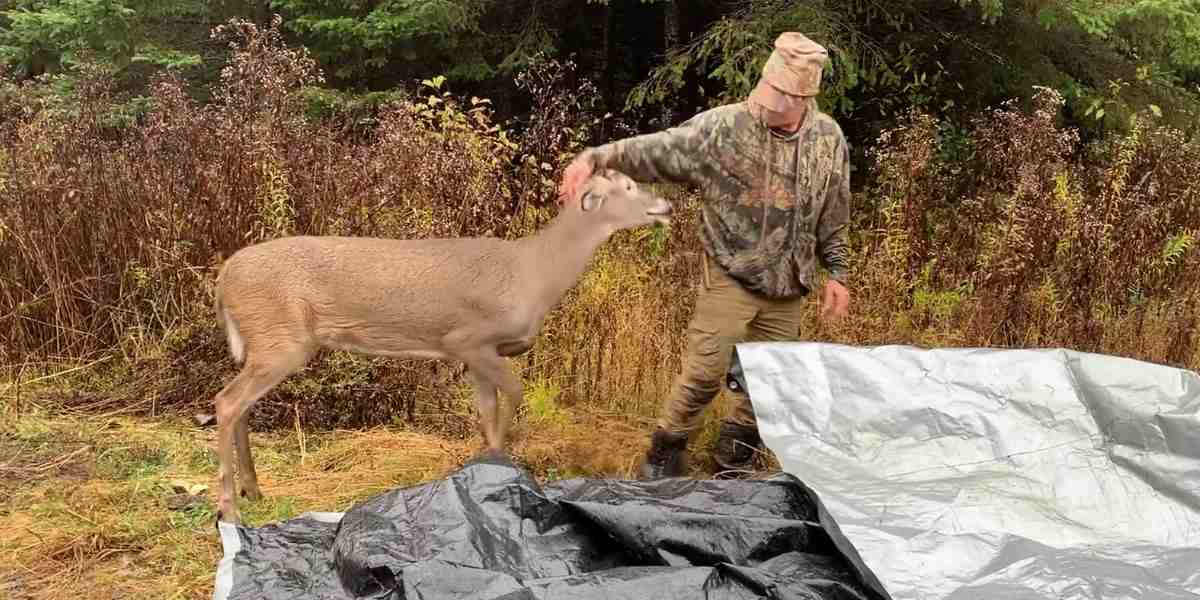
(490, 531)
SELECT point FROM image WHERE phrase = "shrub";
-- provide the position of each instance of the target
(1004, 231)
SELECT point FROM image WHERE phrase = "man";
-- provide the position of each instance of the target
(773, 172)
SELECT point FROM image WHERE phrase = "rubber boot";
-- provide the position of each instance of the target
(667, 456)
(736, 447)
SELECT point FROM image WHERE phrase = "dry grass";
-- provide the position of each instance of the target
(97, 525)
(91, 506)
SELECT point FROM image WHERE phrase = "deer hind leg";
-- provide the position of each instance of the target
(233, 403)
(246, 472)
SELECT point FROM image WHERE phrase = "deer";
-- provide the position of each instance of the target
(476, 300)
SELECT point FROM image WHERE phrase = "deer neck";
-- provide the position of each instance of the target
(558, 255)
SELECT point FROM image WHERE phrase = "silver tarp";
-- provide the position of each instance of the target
(993, 474)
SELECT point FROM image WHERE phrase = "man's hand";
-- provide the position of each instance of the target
(835, 300)
(575, 174)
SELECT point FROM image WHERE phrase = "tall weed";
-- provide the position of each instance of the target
(1003, 232)
(1032, 240)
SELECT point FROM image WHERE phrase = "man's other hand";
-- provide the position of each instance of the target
(835, 301)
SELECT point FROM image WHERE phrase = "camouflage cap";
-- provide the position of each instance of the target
(796, 65)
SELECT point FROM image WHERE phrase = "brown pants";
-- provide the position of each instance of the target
(725, 314)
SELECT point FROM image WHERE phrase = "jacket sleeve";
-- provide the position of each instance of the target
(673, 155)
(832, 234)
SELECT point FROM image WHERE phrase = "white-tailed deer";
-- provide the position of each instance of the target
(474, 300)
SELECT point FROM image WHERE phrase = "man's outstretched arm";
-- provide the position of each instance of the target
(672, 155)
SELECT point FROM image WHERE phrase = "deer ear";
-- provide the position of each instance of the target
(591, 200)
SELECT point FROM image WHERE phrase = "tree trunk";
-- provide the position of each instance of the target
(262, 12)
(687, 20)
(610, 52)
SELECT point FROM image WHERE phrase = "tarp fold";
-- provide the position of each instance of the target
(992, 474)
(490, 531)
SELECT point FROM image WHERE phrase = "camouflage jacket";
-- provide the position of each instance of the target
(774, 205)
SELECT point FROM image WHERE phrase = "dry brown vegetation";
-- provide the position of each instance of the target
(1006, 232)
(95, 506)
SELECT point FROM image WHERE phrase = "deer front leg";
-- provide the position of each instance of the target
(485, 404)
(493, 367)
(514, 390)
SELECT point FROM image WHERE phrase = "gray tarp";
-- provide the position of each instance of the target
(993, 474)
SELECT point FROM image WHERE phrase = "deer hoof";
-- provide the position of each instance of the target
(228, 513)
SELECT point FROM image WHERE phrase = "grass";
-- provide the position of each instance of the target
(124, 506)
(85, 509)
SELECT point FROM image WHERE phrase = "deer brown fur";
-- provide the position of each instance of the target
(474, 300)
